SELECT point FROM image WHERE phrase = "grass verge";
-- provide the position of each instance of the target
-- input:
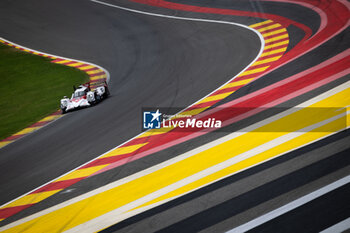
(30, 88)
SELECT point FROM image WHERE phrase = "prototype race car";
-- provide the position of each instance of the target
(83, 96)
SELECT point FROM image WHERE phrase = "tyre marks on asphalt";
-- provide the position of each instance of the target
(96, 74)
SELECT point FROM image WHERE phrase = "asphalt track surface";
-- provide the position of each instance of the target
(145, 56)
(176, 63)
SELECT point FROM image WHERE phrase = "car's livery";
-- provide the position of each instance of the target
(84, 96)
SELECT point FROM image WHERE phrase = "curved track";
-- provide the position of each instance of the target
(156, 60)
(173, 63)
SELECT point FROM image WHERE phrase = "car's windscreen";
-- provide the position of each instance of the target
(78, 94)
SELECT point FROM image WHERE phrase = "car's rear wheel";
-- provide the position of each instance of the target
(106, 94)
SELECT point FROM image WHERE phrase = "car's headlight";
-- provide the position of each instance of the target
(90, 97)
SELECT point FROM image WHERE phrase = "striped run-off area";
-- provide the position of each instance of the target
(31, 128)
(276, 43)
(209, 163)
(95, 73)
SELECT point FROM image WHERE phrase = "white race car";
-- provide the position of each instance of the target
(83, 96)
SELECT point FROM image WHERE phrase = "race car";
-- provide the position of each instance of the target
(84, 96)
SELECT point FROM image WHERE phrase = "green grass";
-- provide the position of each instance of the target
(31, 88)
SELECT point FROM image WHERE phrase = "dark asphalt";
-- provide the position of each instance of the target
(163, 62)
(332, 208)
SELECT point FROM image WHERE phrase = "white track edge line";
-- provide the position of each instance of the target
(338, 227)
(262, 40)
(290, 206)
